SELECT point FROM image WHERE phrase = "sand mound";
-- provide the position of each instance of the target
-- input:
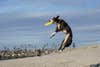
(87, 56)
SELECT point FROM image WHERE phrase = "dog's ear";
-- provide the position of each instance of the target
(57, 17)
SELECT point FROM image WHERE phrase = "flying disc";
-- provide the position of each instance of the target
(48, 23)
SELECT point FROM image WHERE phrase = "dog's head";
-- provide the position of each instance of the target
(52, 21)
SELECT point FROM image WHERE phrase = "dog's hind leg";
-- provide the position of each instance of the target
(64, 43)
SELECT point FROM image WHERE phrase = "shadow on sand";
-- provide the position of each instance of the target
(95, 65)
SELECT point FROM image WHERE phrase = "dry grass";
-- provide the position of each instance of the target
(88, 56)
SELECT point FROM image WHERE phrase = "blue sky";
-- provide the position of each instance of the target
(22, 21)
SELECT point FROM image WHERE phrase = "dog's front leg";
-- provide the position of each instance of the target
(53, 34)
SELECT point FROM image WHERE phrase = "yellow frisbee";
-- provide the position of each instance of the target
(48, 23)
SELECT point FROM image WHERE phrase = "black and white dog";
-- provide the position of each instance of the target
(64, 27)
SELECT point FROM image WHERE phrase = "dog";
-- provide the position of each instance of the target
(64, 27)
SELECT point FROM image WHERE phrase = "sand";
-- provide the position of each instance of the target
(70, 57)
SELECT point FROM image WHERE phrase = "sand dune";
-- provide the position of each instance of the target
(76, 57)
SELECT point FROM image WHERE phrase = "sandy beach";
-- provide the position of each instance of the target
(70, 57)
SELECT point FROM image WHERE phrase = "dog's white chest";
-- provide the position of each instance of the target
(58, 26)
(64, 31)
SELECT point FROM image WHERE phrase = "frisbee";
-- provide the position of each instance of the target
(48, 23)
